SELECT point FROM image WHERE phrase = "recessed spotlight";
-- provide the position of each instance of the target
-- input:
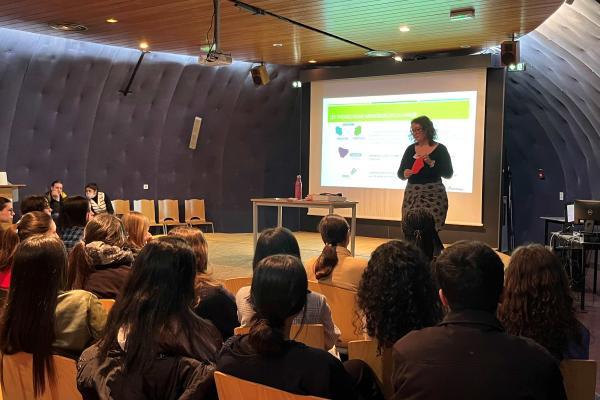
(404, 28)
(277, 44)
(465, 46)
(398, 58)
(312, 61)
(461, 14)
(112, 20)
(68, 26)
(144, 45)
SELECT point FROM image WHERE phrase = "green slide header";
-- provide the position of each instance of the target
(443, 109)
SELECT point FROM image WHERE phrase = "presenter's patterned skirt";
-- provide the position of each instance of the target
(431, 196)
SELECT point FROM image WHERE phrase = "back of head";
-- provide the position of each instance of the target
(34, 223)
(195, 239)
(275, 241)
(34, 203)
(279, 288)
(470, 275)
(74, 212)
(156, 299)
(536, 301)
(418, 227)
(397, 293)
(334, 231)
(136, 225)
(28, 322)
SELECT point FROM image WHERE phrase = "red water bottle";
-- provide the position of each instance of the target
(298, 188)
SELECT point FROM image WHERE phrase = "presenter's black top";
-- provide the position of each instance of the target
(441, 168)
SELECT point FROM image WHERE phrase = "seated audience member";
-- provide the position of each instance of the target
(397, 293)
(537, 303)
(6, 211)
(40, 318)
(137, 228)
(99, 201)
(468, 355)
(33, 223)
(282, 241)
(267, 355)
(418, 227)
(336, 265)
(55, 198)
(72, 220)
(154, 346)
(213, 301)
(35, 203)
(100, 263)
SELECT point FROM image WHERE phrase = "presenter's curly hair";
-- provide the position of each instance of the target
(536, 302)
(427, 126)
(397, 293)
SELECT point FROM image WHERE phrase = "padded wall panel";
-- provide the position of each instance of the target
(552, 117)
(62, 117)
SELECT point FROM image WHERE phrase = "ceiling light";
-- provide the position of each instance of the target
(277, 44)
(404, 28)
(144, 45)
(398, 58)
(112, 20)
(68, 26)
(380, 53)
(312, 61)
(460, 14)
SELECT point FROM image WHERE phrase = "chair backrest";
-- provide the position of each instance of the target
(579, 378)
(381, 364)
(312, 335)
(146, 207)
(168, 210)
(107, 304)
(121, 207)
(194, 209)
(343, 308)
(17, 372)
(232, 388)
(235, 284)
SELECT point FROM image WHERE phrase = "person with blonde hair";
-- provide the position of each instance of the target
(137, 228)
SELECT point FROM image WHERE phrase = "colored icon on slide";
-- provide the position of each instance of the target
(357, 130)
(353, 171)
(343, 152)
(338, 130)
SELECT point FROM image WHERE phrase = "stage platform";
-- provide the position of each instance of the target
(230, 254)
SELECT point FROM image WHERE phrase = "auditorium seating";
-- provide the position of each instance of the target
(121, 207)
(195, 213)
(579, 377)
(146, 207)
(381, 364)
(311, 335)
(168, 214)
(232, 388)
(235, 284)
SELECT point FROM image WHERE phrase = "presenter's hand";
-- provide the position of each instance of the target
(429, 161)
(55, 194)
(408, 173)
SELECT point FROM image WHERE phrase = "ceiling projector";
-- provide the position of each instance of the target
(214, 58)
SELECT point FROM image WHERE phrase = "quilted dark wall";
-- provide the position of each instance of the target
(552, 117)
(62, 117)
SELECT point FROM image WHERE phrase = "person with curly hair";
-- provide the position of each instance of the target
(397, 293)
(537, 304)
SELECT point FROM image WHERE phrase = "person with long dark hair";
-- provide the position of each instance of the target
(418, 227)
(100, 263)
(397, 293)
(35, 203)
(335, 264)
(6, 211)
(213, 301)
(72, 220)
(40, 317)
(537, 303)
(424, 164)
(154, 346)
(267, 355)
(282, 241)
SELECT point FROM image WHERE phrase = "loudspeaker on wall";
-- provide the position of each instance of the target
(260, 75)
(195, 133)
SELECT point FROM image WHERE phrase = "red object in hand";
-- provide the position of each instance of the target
(418, 165)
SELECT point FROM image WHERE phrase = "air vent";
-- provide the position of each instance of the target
(68, 26)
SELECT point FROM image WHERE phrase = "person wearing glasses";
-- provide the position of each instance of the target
(6, 211)
(424, 164)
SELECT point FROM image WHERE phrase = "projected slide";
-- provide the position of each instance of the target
(364, 138)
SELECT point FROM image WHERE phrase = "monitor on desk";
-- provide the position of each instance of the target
(570, 213)
(587, 211)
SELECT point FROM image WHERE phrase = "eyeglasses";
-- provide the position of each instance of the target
(417, 130)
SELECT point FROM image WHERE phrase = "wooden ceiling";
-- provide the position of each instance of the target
(180, 26)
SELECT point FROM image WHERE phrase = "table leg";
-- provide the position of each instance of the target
(582, 278)
(254, 224)
(353, 231)
(330, 209)
(279, 216)
(546, 232)
(595, 268)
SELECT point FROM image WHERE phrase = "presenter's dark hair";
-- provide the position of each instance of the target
(275, 241)
(279, 287)
(55, 182)
(427, 126)
(92, 186)
(34, 203)
(471, 275)
(334, 230)
(4, 202)
(418, 227)
(74, 212)
(397, 293)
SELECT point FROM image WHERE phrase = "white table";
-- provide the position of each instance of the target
(281, 202)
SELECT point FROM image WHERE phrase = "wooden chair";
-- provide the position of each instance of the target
(579, 378)
(235, 284)
(146, 207)
(343, 309)
(168, 214)
(381, 364)
(107, 304)
(232, 388)
(195, 213)
(312, 335)
(17, 373)
(121, 207)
